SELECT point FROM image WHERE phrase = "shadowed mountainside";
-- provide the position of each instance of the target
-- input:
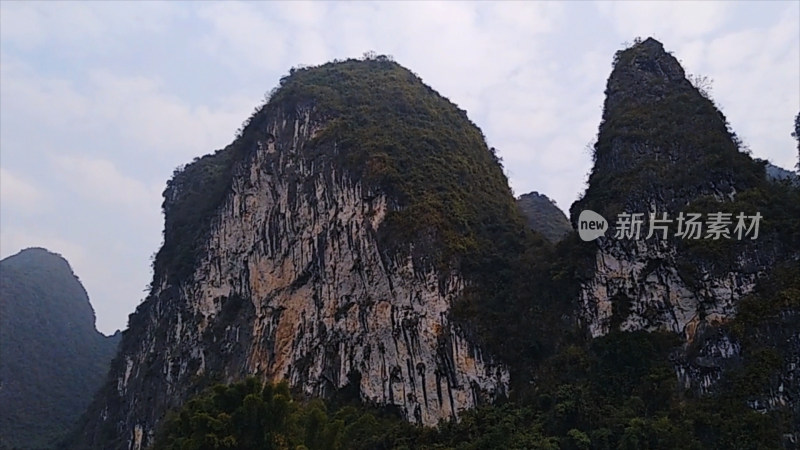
(52, 359)
(543, 216)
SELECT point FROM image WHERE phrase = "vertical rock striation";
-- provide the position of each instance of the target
(292, 280)
(663, 147)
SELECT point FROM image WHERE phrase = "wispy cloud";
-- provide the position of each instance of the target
(98, 180)
(669, 21)
(20, 194)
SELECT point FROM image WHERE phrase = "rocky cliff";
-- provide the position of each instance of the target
(664, 148)
(661, 147)
(325, 247)
(52, 358)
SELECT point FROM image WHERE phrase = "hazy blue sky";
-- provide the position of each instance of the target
(100, 101)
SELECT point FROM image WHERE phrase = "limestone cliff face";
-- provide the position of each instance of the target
(292, 283)
(645, 280)
(662, 148)
(645, 287)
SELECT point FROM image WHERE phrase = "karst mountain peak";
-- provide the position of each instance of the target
(360, 239)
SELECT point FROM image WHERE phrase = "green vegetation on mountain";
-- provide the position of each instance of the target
(402, 138)
(450, 198)
(252, 415)
(52, 359)
(449, 193)
(662, 141)
(544, 217)
(777, 203)
(199, 188)
(654, 122)
(779, 293)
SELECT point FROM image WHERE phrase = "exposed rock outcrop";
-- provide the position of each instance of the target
(646, 155)
(664, 148)
(292, 281)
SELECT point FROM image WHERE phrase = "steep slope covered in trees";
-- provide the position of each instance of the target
(52, 359)
(543, 216)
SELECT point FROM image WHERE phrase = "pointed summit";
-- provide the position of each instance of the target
(662, 142)
(643, 73)
(649, 57)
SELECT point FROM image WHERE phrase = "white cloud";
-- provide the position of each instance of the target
(27, 27)
(100, 181)
(666, 20)
(86, 25)
(242, 37)
(28, 96)
(132, 115)
(142, 110)
(19, 193)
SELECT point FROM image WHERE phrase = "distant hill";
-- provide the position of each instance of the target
(775, 173)
(544, 216)
(52, 359)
